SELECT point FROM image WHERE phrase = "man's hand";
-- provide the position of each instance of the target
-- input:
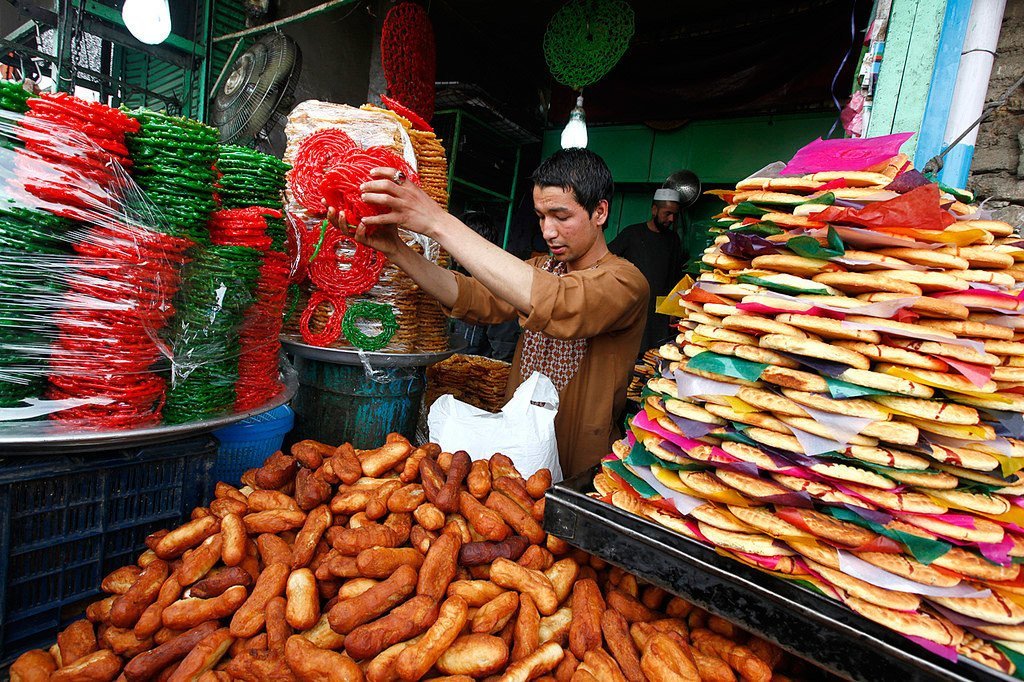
(384, 238)
(404, 203)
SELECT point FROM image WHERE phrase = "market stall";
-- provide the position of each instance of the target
(837, 424)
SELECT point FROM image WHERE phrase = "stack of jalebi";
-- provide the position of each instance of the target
(218, 287)
(173, 162)
(843, 404)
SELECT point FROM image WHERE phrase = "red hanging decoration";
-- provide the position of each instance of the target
(409, 57)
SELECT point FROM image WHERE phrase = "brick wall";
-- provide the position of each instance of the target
(997, 171)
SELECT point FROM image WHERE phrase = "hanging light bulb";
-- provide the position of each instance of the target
(148, 20)
(575, 133)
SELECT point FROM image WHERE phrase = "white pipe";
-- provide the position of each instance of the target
(975, 69)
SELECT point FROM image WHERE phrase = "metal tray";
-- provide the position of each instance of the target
(353, 356)
(802, 622)
(46, 437)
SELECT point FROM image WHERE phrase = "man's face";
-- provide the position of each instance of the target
(570, 232)
(664, 214)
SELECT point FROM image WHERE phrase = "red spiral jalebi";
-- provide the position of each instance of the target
(362, 273)
(317, 153)
(340, 186)
(332, 330)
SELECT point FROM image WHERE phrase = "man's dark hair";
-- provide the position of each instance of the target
(482, 224)
(579, 171)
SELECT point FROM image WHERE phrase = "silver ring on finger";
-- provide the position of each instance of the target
(399, 178)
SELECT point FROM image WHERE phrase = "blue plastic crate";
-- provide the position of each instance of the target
(65, 522)
(247, 444)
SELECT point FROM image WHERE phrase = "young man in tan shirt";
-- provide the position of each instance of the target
(582, 308)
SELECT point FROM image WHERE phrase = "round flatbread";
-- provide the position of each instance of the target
(720, 518)
(720, 310)
(701, 318)
(931, 480)
(852, 474)
(866, 261)
(752, 353)
(889, 457)
(997, 228)
(863, 194)
(914, 623)
(852, 178)
(816, 551)
(851, 407)
(976, 566)
(787, 305)
(722, 334)
(748, 543)
(670, 351)
(930, 281)
(794, 378)
(790, 220)
(1000, 279)
(895, 432)
(947, 350)
(833, 530)
(1011, 375)
(945, 380)
(1016, 403)
(978, 330)
(886, 382)
(721, 261)
(983, 530)
(605, 484)
(901, 601)
(760, 419)
(771, 402)
(814, 349)
(978, 432)
(984, 257)
(1015, 348)
(813, 427)
(779, 184)
(666, 387)
(765, 520)
(753, 324)
(993, 505)
(864, 283)
(691, 412)
(908, 568)
(767, 197)
(750, 486)
(893, 355)
(925, 306)
(793, 265)
(827, 327)
(929, 258)
(951, 413)
(967, 458)
(894, 328)
(995, 608)
(819, 490)
(899, 501)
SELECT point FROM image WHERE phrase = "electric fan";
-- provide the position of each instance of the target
(258, 91)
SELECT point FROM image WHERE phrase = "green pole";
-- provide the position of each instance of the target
(512, 198)
(204, 68)
(455, 151)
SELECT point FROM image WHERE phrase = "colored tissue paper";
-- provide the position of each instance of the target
(683, 503)
(727, 365)
(917, 209)
(947, 652)
(858, 568)
(979, 375)
(845, 154)
(689, 385)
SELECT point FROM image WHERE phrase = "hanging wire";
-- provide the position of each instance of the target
(934, 164)
(842, 65)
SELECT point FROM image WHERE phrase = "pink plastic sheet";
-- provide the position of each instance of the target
(846, 154)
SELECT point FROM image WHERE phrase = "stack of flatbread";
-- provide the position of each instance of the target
(472, 379)
(843, 404)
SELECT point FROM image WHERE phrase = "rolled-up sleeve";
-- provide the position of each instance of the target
(476, 305)
(583, 304)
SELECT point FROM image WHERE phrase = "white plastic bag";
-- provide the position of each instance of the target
(523, 430)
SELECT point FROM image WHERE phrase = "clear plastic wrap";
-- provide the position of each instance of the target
(111, 290)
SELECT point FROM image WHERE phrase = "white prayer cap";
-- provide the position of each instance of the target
(666, 194)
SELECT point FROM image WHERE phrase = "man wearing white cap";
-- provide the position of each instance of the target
(654, 248)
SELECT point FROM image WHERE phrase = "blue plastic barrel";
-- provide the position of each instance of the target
(246, 444)
(339, 403)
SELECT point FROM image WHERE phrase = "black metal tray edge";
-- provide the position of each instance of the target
(793, 617)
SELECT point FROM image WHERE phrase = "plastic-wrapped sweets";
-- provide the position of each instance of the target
(91, 277)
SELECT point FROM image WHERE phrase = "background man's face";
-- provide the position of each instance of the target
(664, 214)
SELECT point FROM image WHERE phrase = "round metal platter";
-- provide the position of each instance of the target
(353, 356)
(32, 438)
